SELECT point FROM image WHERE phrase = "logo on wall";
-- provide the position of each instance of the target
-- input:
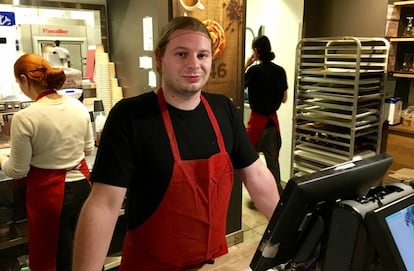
(7, 18)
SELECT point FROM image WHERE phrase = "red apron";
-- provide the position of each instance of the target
(189, 226)
(44, 199)
(257, 124)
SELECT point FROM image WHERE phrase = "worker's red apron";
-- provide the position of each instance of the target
(257, 123)
(44, 199)
(189, 226)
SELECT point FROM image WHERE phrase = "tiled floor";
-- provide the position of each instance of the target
(241, 254)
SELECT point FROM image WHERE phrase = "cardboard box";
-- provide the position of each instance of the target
(408, 122)
(391, 63)
(391, 28)
(393, 12)
(405, 175)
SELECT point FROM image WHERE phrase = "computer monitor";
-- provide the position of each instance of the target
(301, 218)
(391, 228)
(350, 244)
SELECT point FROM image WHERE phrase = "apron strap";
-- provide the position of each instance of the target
(215, 124)
(168, 125)
(170, 130)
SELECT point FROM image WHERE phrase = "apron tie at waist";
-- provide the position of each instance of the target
(257, 123)
(77, 167)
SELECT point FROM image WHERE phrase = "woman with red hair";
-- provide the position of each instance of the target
(49, 141)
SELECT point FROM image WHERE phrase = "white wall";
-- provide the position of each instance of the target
(282, 20)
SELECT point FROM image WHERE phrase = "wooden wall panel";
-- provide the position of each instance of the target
(227, 71)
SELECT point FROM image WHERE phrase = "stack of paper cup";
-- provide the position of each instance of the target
(112, 72)
(116, 91)
(117, 95)
(103, 82)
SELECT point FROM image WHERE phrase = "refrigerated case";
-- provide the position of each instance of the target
(339, 101)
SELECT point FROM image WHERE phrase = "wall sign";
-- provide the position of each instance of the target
(7, 18)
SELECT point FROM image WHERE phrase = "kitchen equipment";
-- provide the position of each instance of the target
(99, 117)
(72, 92)
(98, 106)
(8, 106)
(395, 109)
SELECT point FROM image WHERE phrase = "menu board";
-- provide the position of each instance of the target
(225, 21)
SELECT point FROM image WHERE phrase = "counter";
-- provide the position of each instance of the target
(3, 177)
(400, 145)
(13, 235)
(17, 236)
(12, 197)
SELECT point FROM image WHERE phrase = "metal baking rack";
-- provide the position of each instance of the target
(339, 101)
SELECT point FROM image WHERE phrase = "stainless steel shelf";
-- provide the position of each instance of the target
(13, 242)
(338, 101)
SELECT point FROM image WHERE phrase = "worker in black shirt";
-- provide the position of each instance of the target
(172, 152)
(267, 88)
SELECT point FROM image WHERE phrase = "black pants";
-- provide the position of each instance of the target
(74, 197)
(270, 143)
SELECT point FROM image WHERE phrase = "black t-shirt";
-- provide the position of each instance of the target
(266, 84)
(134, 149)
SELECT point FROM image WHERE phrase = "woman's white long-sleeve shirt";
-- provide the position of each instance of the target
(49, 134)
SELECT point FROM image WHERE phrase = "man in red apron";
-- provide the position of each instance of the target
(199, 191)
(174, 150)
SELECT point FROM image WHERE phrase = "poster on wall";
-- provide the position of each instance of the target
(225, 21)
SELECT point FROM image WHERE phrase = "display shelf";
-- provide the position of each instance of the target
(402, 129)
(408, 75)
(17, 235)
(400, 138)
(400, 43)
(404, 3)
(402, 39)
(13, 242)
(338, 101)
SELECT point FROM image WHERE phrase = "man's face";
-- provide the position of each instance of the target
(186, 62)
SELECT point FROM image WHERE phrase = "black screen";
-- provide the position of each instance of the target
(303, 212)
(392, 230)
